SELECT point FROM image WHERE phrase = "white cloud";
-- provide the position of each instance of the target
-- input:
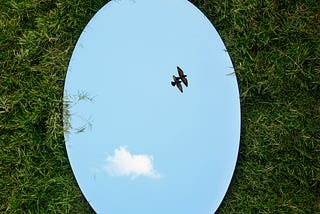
(123, 163)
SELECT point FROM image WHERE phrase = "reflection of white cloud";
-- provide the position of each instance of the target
(123, 163)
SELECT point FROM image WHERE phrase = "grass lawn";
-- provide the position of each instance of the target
(275, 49)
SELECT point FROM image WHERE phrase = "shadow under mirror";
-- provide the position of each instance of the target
(152, 111)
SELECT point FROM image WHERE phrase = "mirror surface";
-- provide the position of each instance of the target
(136, 144)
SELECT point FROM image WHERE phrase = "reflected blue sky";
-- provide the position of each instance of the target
(146, 147)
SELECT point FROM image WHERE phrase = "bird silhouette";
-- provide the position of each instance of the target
(177, 80)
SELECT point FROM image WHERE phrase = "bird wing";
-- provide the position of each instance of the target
(179, 86)
(185, 81)
(182, 76)
(180, 72)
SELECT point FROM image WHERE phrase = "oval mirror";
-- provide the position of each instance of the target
(152, 110)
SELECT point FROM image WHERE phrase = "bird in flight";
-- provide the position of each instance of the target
(177, 80)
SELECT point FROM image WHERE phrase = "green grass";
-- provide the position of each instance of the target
(275, 50)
